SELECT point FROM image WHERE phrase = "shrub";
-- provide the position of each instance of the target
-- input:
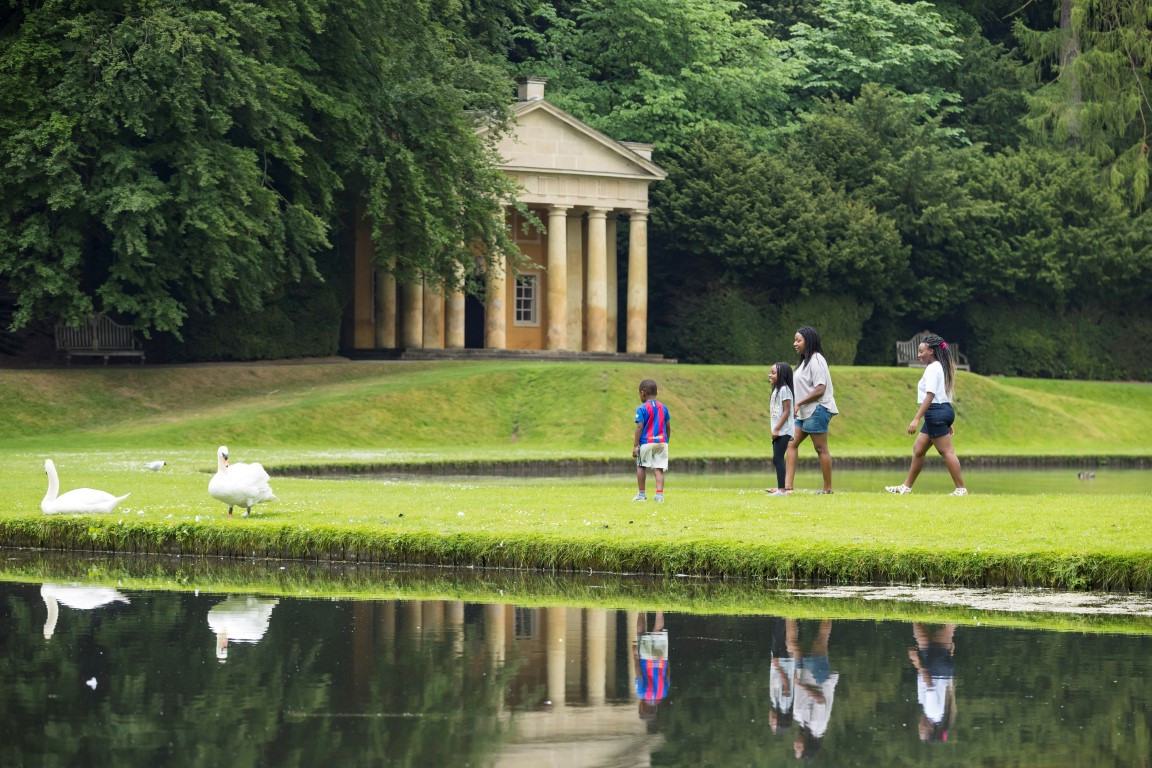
(721, 324)
(304, 322)
(1082, 343)
(838, 319)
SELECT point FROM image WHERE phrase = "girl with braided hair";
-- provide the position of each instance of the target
(934, 396)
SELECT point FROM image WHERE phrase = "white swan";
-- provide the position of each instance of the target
(240, 620)
(239, 485)
(79, 500)
(81, 598)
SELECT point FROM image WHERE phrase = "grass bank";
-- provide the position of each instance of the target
(100, 425)
(497, 410)
(609, 591)
(1055, 540)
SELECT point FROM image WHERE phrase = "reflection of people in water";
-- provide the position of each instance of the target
(933, 658)
(781, 675)
(239, 620)
(815, 688)
(651, 656)
(80, 598)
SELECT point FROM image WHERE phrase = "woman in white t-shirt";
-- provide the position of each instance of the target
(934, 396)
(814, 406)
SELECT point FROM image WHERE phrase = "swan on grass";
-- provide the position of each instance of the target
(77, 501)
(239, 485)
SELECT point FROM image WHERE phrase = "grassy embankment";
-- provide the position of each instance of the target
(100, 425)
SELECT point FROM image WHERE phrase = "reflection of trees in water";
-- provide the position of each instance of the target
(288, 700)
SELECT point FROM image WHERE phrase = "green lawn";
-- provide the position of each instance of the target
(100, 425)
(365, 411)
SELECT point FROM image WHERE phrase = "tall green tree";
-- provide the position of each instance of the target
(905, 46)
(1100, 98)
(162, 156)
(657, 70)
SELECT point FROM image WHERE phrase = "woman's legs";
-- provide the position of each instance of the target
(919, 451)
(944, 446)
(820, 443)
(793, 450)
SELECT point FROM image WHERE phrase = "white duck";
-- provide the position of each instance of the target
(80, 598)
(79, 500)
(239, 485)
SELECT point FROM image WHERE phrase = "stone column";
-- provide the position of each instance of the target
(413, 330)
(555, 655)
(385, 308)
(494, 640)
(411, 619)
(494, 633)
(387, 629)
(495, 310)
(454, 321)
(557, 331)
(433, 315)
(613, 295)
(596, 639)
(574, 264)
(454, 617)
(596, 296)
(637, 283)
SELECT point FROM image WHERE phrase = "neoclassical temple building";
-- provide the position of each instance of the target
(567, 298)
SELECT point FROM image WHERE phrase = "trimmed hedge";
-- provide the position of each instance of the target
(1046, 342)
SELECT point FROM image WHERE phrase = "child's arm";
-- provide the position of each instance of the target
(636, 442)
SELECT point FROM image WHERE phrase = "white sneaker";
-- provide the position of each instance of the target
(959, 492)
(658, 498)
(899, 490)
(639, 497)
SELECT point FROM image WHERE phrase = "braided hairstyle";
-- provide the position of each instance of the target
(943, 354)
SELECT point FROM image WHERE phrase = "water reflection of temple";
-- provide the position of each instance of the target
(569, 699)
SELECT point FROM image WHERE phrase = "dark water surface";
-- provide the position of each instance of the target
(95, 676)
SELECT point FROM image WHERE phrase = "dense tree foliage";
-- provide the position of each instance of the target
(161, 156)
(910, 168)
(900, 164)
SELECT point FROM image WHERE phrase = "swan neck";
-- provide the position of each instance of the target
(53, 485)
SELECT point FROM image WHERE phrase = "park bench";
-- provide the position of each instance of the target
(906, 352)
(98, 336)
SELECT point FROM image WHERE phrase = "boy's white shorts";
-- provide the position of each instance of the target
(653, 456)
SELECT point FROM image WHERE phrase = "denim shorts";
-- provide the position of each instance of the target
(938, 420)
(817, 423)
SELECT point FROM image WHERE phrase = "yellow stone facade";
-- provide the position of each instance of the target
(564, 296)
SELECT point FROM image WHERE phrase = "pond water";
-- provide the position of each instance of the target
(109, 675)
(934, 480)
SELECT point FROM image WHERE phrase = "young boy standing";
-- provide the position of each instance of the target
(650, 442)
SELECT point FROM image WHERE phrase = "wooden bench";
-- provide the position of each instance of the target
(906, 352)
(99, 336)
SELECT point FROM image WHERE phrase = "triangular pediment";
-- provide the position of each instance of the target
(546, 138)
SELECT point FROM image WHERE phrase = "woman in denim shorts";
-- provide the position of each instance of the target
(814, 406)
(934, 395)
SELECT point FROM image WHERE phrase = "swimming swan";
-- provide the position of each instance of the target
(239, 485)
(79, 500)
